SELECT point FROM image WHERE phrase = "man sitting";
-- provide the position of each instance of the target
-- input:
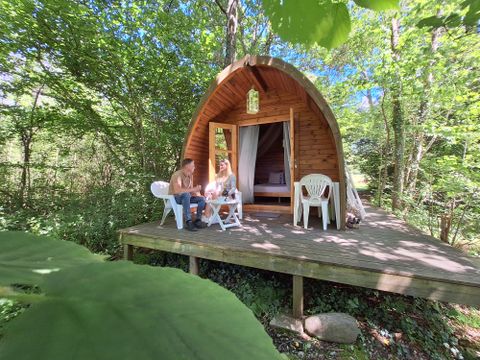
(181, 186)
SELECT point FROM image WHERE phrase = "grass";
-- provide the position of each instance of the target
(474, 250)
(465, 316)
(353, 352)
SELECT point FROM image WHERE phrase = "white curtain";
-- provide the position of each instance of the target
(286, 151)
(247, 160)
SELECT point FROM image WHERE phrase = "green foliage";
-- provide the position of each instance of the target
(262, 293)
(119, 309)
(406, 327)
(436, 22)
(95, 99)
(467, 16)
(472, 319)
(9, 310)
(91, 219)
(353, 352)
(325, 23)
(378, 5)
(128, 76)
(417, 321)
(27, 259)
(265, 294)
(309, 22)
(439, 99)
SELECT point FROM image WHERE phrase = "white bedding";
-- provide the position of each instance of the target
(271, 188)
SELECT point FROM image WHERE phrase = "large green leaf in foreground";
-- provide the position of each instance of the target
(27, 258)
(324, 22)
(119, 310)
(378, 5)
(309, 21)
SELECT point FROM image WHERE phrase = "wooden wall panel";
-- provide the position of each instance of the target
(316, 151)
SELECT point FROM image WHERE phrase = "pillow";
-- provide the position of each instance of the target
(276, 177)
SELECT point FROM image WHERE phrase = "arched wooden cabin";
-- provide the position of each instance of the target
(286, 96)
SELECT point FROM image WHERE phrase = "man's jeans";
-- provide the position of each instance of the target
(185, 199)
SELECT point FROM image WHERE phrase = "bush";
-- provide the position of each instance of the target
(90, 219)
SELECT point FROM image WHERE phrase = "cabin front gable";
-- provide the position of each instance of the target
(282, 88)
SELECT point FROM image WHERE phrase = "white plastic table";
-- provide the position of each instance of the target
(226, 223)
(334, 201)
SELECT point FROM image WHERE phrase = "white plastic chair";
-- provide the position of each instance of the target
(316, 184)
(160, 190)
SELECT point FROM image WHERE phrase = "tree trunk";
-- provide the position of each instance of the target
(398, 123)
(25, 177)
(231, 34)
(26, 138)
(383, 170)
(419, 149)
(369, 91)
(446, 222)
(268, 43)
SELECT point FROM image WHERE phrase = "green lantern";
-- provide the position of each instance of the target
(253, 101)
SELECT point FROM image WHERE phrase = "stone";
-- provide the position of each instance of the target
(287, 323)
(334, 327)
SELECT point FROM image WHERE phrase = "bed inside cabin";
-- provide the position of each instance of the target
(270, 183)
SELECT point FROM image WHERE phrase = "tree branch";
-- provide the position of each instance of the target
(221, 7)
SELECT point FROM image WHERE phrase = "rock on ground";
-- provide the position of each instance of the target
(287, 323)
(334, 327)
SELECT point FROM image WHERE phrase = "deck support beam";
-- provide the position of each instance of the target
(128, 252)
(194, 265)
(297, 297)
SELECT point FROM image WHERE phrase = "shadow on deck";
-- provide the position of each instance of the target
(384, 254)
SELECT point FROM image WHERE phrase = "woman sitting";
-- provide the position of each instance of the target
(225, 184)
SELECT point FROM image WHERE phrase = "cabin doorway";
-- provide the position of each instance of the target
(271, 186)
(266, 165)
(262, 157)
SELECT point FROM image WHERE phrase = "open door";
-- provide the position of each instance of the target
(223, 144)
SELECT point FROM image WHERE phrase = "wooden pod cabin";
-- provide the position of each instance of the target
(221, 124)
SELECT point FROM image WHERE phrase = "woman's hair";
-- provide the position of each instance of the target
(228, 171)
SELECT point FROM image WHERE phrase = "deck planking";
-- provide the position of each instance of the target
(384, 254)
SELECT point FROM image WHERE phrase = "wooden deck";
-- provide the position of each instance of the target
(384, 254)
